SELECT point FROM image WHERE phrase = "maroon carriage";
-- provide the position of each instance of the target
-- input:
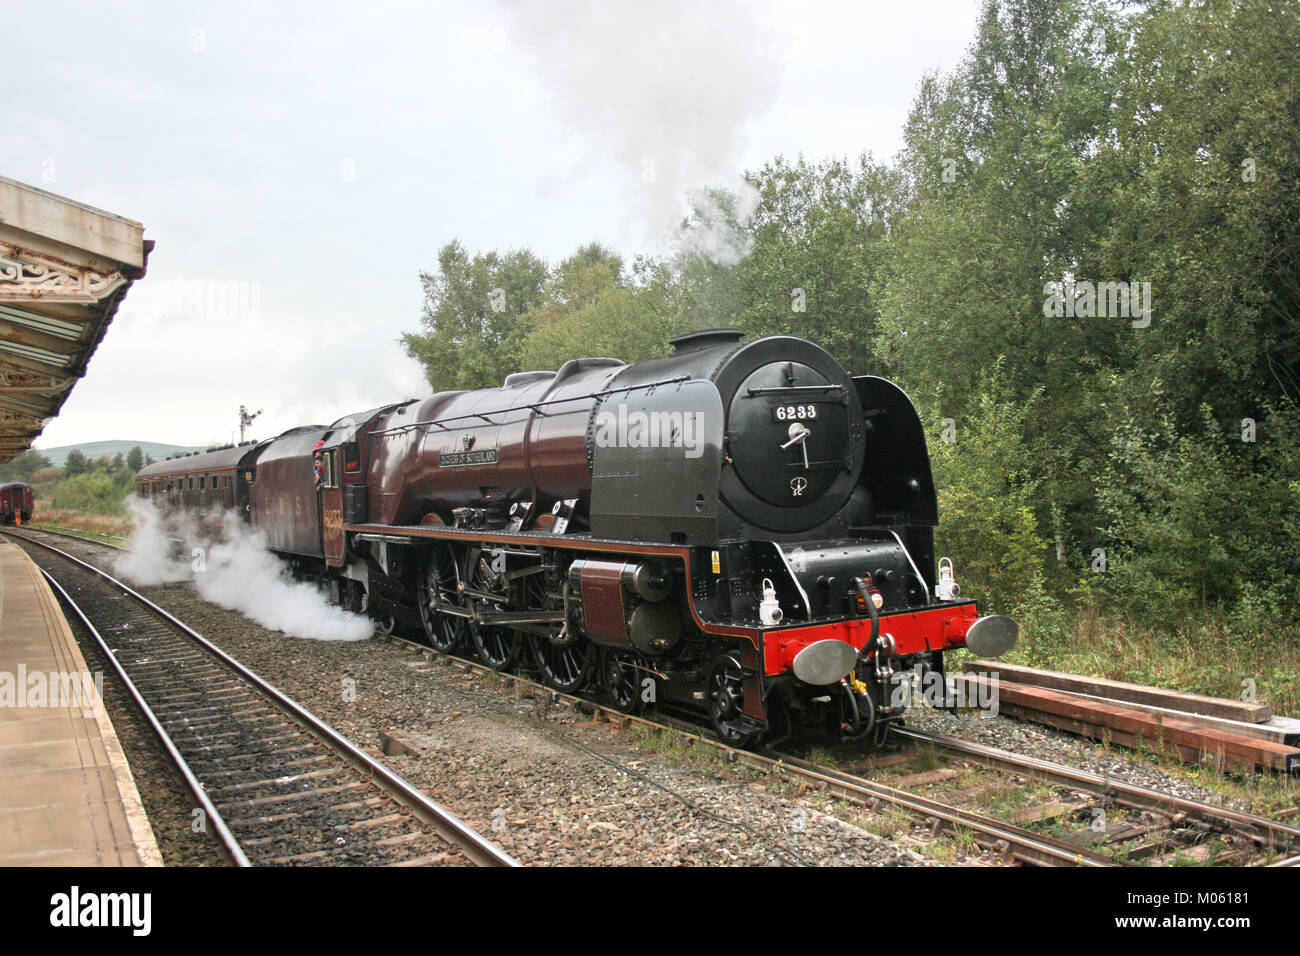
(16, 503)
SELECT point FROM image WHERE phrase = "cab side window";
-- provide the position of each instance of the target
(352, 458)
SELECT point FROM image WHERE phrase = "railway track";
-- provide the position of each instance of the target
(273, 783)
(1161, 824)
(1246, 829)
(1003, 840)
(1151, 826)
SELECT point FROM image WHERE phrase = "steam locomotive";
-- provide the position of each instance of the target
(740, 527)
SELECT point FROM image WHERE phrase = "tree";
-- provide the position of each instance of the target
(995, 157)
(75, 464)
(93, 492)
(592, 308)
(623, 323)
(1201, 171)
(24, 466)
(575, 284)
(135, 459)
(470, 334)
(817, 233)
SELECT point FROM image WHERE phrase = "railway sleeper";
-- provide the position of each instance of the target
(288, 797)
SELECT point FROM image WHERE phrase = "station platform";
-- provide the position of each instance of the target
(67, 796)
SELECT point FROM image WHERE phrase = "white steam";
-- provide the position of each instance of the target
(664, 89)
(718, 225)
(153, 555)
(235, 570)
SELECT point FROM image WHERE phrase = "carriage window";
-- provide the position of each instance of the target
(201, 481)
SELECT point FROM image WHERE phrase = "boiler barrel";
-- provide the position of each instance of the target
(491, 446)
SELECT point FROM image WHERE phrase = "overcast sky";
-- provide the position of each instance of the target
(298, 165)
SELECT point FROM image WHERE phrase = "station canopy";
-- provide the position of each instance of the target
(64, 269)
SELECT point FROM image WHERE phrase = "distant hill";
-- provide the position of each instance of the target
(95, 449)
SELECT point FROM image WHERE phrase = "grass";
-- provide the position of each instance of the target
(1264, 793)
(1199, 656)
(1004, 799)
(111, 530)
(964, 840)
(928, 758)
(957, 844)
(823, 758)
(888, 821)
(672, 745)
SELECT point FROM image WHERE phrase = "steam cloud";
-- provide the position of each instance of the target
(234, 570)
(663, 88)
(716, 229)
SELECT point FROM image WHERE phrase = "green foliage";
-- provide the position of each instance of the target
(620, 323)
(23, 466)
(818, 229)
(75, 464)
(1206, 521)
(1118, 155)
(1199, 181)
(987, 497)
(587, 311)
(98, 487)
(95, 493)
(471, 331)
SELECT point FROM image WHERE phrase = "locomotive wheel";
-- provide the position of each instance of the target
(726, 696)
(566, 667)
(565, 659)
(496, 646)
(438, 580)
(620, 681)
